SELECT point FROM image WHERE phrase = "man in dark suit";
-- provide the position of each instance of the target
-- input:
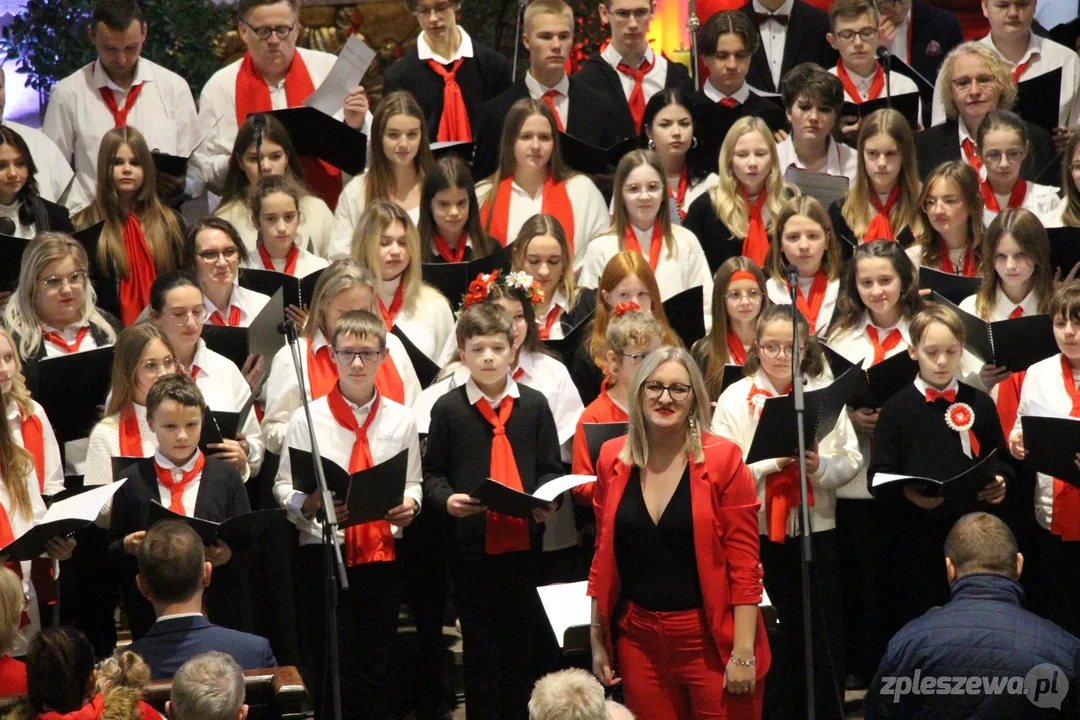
(792, 32)
(919, 35)
(548, 37)
(173, 572)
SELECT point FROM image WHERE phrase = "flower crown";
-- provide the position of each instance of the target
(521, 284)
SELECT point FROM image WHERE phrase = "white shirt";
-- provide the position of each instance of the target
(105, 445)
(1043, 200)
(736, 418)
(350, 207)
(249, 302)
(686, 269)
(716, 96)
(1044, 385)
(899, 47)
(316, 224)
(20, 525)
(54, 472)
(217, 104)
(282, 394)
(306, 263)
(69, 334)
(557, 306)
(855, 345)
(898, 85)
(190, 493)
(391, 431)
(773, 37)
(224, 388)
(428, 322)
(590, 210)
(654, 80)
(77, 119)
(1049, 56)
(537, 90)
(971, 365)
(779, 294)
(840, 159)
(54, 172)
(425, 53)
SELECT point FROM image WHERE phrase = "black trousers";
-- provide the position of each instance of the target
(498, 605)
(785, 686)
(367, 633)
(860, 563)
(87, 587)
(1057, 587)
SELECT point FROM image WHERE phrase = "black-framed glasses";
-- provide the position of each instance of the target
(263, 33)
(867, 34)
(55, 283)
(210, 256)
(367, 357)
(676, 391)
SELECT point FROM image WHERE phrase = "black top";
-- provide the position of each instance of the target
(934, 32)
(941, 143)
(657, 562)
(717, 241)
(604, 79)
(846, 237)
(586, 376)
(806, 44)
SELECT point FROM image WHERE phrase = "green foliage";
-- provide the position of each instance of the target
(50, 42)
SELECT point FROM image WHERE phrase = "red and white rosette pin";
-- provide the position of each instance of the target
(961, 418)
(756, 399)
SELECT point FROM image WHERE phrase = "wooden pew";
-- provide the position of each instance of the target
(271, 694)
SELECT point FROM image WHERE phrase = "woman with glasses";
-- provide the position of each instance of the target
(214, 252)
(950, 227)
(830, 464)
(1003, 145)
(676, 578)
(739, 296)
(978, 81)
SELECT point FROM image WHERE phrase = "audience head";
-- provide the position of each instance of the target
(59, 670)
(172, 564)
(269, 29)
(976, 81)
(572, 694)
(117, 31)
(278, 157)
(981, 543)
(124, 672)
(208, 687)
(143, 354)
(12, 603)
(618, 711)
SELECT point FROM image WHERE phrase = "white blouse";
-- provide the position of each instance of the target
(316, 224)
(224, 388)
(1043, 200)
(250, 303)
(105, 445)
(54, 472)
(350, 207)
(779, 294)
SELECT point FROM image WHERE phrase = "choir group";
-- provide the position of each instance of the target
(521, 266)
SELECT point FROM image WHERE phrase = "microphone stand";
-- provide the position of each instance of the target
(692, 24)
(885, 56)
(335, 565)
(258, 123)
(804, 507)
(517, 38)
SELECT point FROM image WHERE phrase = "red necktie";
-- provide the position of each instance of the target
(549, 100)
(443, 248)
(395, 306)
(120, 114)
(176, 489)
(1020, 69)
(1016, 197)
(876, 85)
(630, 242)
(63, 344)
(812, 308)
(1065, 512)
(503, 532)
(729, 102)
(636, 101)
(880, 228)
(881, 348)
(234, 317)
(932, 394)
(141, 271)
(195, 370)
(756, 245)
(290, 259)
(553, 314)
(454, 123)
(970, 155)
(373, 541)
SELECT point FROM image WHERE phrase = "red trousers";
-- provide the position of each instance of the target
(671, 669)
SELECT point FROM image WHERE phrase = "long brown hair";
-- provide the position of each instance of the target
(620, 220)
(236, 180)
(858, 211)
(850, 308)
(807, 207)
(379, 178)
(813, 362)
(159, 224)
(130, 345)
(544, 224)
(1030, 235)
(16, 466)
(966, 182)
(450, 173)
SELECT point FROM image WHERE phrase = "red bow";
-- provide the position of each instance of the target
(932, 395)
(625, 308)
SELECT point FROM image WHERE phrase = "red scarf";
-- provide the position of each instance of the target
(120, 114)
(1016, 197)
(636, 101)
(454, 123)
(395, 306)
(781, 489)
(372, 541)
(503, 532)
(176, 489)
(234, 317)
(63, 344)
(812, 307)
(876, 85)
(679, 196)
(656, 243)
(131, 444)
(34, 443)
(322, 371)
(555, 202)
(549, 100)
(135, 288)
(1065, 515)
(290, 259)
(970, 155)
(756, 244)
(1020, 69)
(880, 228)
(553, 314)
(881, 349)
(443, 248)
(736, 351)
(388, 381)
(253, 95)
(947, 263)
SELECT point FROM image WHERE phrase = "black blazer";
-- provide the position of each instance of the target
(604, 79)
(57, 217)
(934, 32)
(591, 120)
(941, 143)
(805, 42)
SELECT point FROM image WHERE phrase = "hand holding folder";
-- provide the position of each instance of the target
(369, 494)
(960, 493)
(507, 501)
(1051, 445)
(63, 519)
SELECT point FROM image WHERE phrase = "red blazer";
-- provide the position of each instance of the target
(725, 510)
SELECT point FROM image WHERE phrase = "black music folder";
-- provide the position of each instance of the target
(426, 368)
(220, 425)
(260, 338)
(960, 492)
(245, 528)
(1064, 248)
(369, 494)
(686, 314)
(314, 133)
(880, 382)
(565, 346)
(1051, 444)
(907, 105)
(1038, 100)
(64, 518)
(596, 434)
(122, 463)
(72, 389)
(954, 288)
(11, 252)
(462, 148)
(295, 291)
(1016, 344)
(591, 160)
(452, 279)
(508, 501)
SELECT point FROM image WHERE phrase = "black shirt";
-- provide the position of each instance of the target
(657, 562)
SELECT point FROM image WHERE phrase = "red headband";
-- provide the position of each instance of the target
(742, 275)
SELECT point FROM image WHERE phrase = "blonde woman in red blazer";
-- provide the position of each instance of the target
(676, 578)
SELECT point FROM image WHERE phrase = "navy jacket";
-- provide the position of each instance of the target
(170, 643)
(982, 632)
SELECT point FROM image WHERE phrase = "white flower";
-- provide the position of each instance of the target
(519, 280)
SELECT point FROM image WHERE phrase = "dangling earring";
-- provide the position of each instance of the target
(693, 142)
(693, 425)
(652, 145)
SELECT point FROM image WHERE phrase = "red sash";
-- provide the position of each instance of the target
(63, 344)
(812, 307)
(120, 114)
(970, 155)
(656, 243)
(131, 444)
(290, 259)
(454, 123)
(555, 202)
(756, 244)
(781, 489)
(1016, 197)
(135, 288)
(1008, 396)
(176, 489)
(7, 536)
(1065, 515)
(880, 228)
(503, 533)
(876, 85)
(388, 381)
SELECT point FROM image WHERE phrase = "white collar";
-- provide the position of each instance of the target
(388, 288)
(143, 73)
(523, 191)
(716, 96)
(465, 49)
(177, 616)
(318, 342)
(140, 412)
(201, 352)
(1003, 305)
(902, 326)
(168, 464)
(362, 409)
(613, 58)
(474, 393)
(784, 9)
(12, 410)
(1034, 47)
(762, 381)
(923, 386)
(537, 89)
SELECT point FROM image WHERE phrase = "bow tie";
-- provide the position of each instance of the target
(932, 395)
(761, 18)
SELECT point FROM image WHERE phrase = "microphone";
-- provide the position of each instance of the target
(792, 273)
(286, 326)
(7, 226)
(884, 54)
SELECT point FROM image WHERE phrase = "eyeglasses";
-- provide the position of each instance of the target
(367, 357)
(210, 256)
(636, 357)
(867, 34)
(440, 9)
(949, 201)
(963, 85)
(737, 295)
(263, 33)
(55, 283)
(773, 351)
(653, 188)
(180, 319)
(994, 156)
(154, 367)
(640, 14)
(893, 3)
(676, 391)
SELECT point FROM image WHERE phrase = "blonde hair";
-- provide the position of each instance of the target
(537, 226)
(730, 205)
(19, 393)
(120, 680)
(11, 604)
(21, 315)
(342, 275)
(807, 207)
(636, 451)
(366, 240)
(571, 694)
(1001, 72)
(547, 7)
(936, 313)
(620, 219)
(857, 210)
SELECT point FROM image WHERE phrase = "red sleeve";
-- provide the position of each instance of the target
(604, 470)
(582, 465)
(148, 713)
(737, 513)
